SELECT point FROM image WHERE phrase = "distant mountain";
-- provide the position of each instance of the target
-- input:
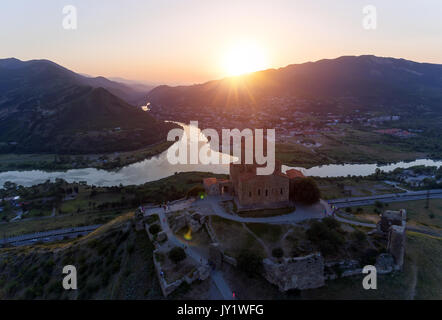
(135, 85)
(45, 107)
(369, 81)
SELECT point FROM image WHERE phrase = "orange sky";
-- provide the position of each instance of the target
(187, 41)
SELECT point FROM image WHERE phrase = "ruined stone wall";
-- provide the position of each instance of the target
(296, 273)
(396, 245)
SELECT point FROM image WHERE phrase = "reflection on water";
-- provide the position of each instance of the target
(342, 170)
(158, 167)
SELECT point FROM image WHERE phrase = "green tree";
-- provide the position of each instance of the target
(306, 191)
(250, 263)
(177, 254)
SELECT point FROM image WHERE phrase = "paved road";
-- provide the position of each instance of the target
(48, 236)
(317, 211)
(392, 197)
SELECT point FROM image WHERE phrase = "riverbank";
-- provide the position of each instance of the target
(63, 163)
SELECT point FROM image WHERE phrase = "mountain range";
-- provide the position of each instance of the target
(45, 107)
(367, 80)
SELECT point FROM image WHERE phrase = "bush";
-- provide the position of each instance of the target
(359, 236)
(306, 191)
(329, 240)
(177, 254)
(196, 191)
(250, 263)
(369, 257)
(154, 229)
(378, 204)
(332, 223)
(277, 253)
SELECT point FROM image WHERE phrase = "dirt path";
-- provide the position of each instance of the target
(267, 250)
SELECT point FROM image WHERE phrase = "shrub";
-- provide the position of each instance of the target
(277, 253)
(306, 191)
(329, 240)
(154, 229)
(369, 257)
(378, 204)
(250, 263)
(331, 223)
(195, 191)
(177, 254)
(359, 236)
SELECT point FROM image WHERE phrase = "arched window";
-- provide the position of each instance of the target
(259, 192)
(250, 194)
(267, 192)
(281, 190)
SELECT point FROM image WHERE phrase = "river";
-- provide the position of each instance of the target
(158, 167)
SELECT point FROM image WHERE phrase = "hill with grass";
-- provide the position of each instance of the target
(45, 107)
(113, 262)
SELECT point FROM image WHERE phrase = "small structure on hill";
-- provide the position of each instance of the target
(391, 218)
(393, 226)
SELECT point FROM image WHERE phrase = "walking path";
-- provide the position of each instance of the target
(316, 211)
(216, 275)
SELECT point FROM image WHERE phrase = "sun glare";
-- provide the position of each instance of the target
(243, 59)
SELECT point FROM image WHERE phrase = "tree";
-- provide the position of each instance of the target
(277, 253)
(154, 229)
(306, 191)
(196, 191)
(177, 254)
(326, 235)
(250, 263)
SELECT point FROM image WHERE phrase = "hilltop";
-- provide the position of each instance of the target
(45, 107)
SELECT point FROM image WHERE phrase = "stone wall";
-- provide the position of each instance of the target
(296, 273)
(396, 245)
(391, 218)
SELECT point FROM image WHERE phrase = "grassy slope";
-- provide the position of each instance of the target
(422, 264)
(416, 211)
(114, 262)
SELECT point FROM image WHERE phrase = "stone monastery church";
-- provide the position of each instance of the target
(251, 191)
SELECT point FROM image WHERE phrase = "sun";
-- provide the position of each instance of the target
(244, 58)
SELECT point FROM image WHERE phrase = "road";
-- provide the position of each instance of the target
(316, 211)
(392, 197)
(49, 236)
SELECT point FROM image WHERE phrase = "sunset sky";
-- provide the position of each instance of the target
(184, 41)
